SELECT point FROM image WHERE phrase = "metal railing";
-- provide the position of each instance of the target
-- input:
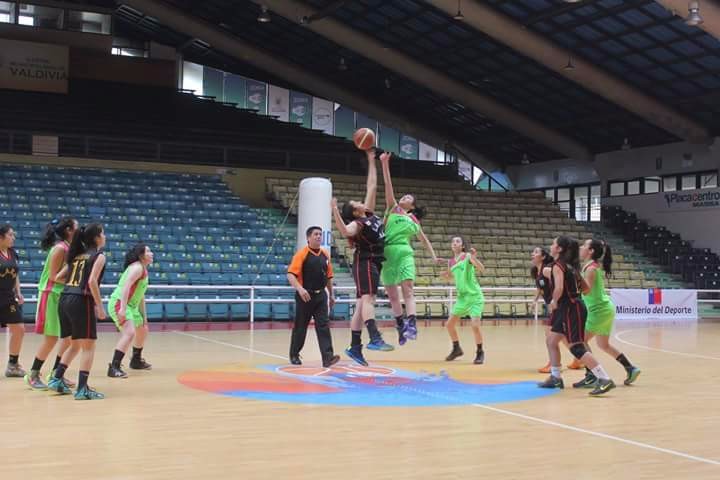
(447, 296)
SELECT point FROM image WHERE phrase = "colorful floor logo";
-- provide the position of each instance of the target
(354, 385)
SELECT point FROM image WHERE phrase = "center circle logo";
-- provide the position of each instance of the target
(348, 384)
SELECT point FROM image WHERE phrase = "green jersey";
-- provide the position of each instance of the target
(463, 272)
(137, 291)
(46, 284)
(400, 227)
(598, 298)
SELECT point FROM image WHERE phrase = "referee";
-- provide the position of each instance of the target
(310, 273)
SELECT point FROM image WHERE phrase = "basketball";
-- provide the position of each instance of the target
(364, 138)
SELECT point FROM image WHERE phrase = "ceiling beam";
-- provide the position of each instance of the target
(312, 83)
(402, 64)
(513, 34)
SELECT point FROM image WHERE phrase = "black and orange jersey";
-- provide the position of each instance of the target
(312, 268)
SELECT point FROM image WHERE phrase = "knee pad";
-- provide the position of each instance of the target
(578, 350)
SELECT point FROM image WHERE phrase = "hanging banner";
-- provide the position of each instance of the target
(322, 115)
(689, 200)
(33, 66)
(234, 90)
(654, 304)
(301, 109)
(257, 96)
(279, 102)
(408, 147)
(428, 153)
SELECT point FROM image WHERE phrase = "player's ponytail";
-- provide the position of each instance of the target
(419, 212)
(134, 254)
(83, 240)
(601, 250)
(55, 231)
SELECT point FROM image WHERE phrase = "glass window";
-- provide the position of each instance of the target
(564, 207)
(550, 194)
(582, 203)
(669, 184)
(90, 22)
(595, 203)
(563, 194)
(633, 187)
(40, 16)
(652, 184)
(689, 182)
(708, 180)
(193, 78)
(7, 12)
(617, 189)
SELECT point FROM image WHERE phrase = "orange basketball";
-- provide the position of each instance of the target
(364, 138)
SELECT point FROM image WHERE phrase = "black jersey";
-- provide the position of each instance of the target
(9, 271)
(570, 289)
(543, 284)
(79, 270)
(370, 239)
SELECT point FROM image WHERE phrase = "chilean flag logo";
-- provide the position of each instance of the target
(655, 296)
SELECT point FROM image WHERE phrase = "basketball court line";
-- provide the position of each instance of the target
(618, 337)
(504, 412)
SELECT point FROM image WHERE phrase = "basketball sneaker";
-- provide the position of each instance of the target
(455, 353)
(87, 393)
(115, 372)
(602, 387)
(632, 375)
(380, 345)
(588, 382)
(545, 369)
(355, 353)
(552, 382)
(402, 330)
(67, 381)
(576, 365)
(59, 386)
(14, 370)
(33, 381)
(479, 357)
(411, 329)
(139, 364)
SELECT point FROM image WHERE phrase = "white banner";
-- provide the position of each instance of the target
(322, 117)
(654, 304)
(279, 102)
(428, 153)
(33, 66)
(690, 200)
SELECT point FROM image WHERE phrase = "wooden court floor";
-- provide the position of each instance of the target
(466, 422)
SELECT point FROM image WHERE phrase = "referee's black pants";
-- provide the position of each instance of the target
(316, 307)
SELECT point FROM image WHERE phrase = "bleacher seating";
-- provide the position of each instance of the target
(122, 121)
(200, 232)
(698, 267)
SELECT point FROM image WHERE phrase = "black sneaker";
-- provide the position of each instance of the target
(331, 361)
(295, 360)
(140, 364)
(479, 357)
(355, 353)
(588, 382)
(552, 382)
(456, 352)
(602, 387)
(115, 372)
